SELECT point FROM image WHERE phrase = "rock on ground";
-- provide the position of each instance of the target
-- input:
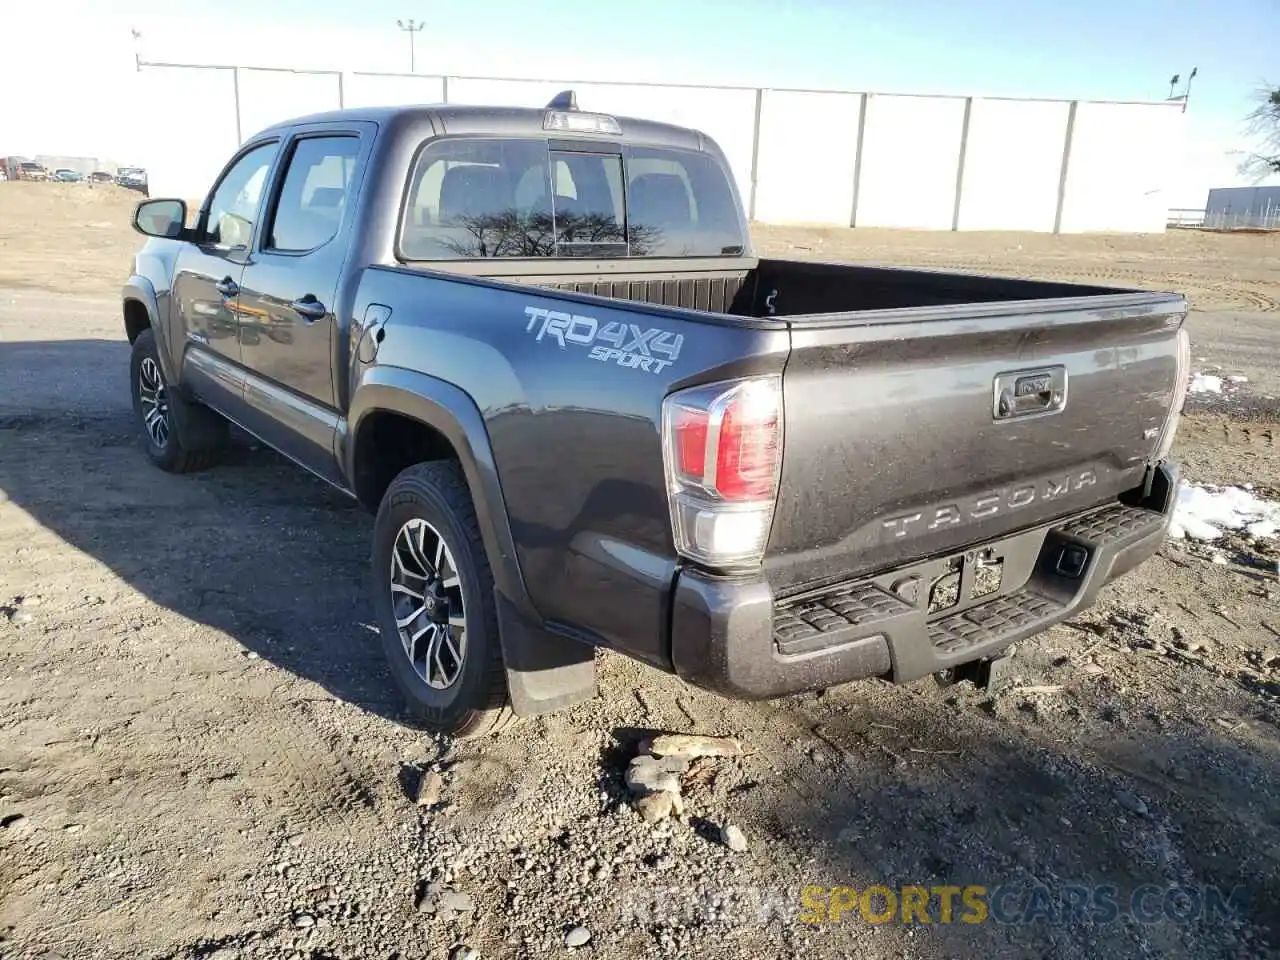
(690, 746)
(733, 838)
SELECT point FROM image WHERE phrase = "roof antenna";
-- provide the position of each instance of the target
(564, 100)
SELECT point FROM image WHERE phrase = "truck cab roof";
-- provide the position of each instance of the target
(456, 119)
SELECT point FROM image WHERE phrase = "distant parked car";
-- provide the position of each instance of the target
(62, 175)
(31, 170)
(101, 176)
(133, 178)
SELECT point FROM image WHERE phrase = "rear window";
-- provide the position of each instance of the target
(481, 198)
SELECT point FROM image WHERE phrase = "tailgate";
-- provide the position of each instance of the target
(916, 433)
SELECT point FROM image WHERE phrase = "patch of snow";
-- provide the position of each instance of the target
(1236, 378)
(1206, 512)
(1263, 529)
(1205, 383)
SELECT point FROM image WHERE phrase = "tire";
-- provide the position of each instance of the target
(190, 435)
(425, 504)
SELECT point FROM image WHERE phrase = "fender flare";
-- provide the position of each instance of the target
(141, 290)
(546, 671)
(453, 413)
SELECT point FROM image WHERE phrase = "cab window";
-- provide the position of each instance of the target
(233, 208)
(482, 198)
(313, 197)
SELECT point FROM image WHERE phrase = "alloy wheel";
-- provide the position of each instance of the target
(426, 599)
(155, 402)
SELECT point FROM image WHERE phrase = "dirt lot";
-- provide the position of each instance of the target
(201, 755)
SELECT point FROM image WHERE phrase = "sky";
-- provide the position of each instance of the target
(76, 69)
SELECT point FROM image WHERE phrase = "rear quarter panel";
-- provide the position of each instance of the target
(574, 425)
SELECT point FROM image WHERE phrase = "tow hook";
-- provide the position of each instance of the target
(990, 673)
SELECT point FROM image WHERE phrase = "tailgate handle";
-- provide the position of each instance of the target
(1029, 393)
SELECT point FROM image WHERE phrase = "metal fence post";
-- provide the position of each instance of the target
(342, 97)
(235, 87)
(964, 151)
(444, 89)
(755, 153)
(1066, 165)
(857, 157)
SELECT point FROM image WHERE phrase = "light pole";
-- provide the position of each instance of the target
(411, 27)
(1186, 94)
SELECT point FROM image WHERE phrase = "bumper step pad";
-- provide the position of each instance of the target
(1116, 522)
(988, 622)
(802, 625)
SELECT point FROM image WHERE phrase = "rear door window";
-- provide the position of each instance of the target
(483, 198)
(313, 198)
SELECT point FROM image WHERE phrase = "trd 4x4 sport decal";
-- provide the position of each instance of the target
(625, 344)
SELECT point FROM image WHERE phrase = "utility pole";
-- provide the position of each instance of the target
(411, 27)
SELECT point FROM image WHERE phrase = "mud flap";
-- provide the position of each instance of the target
(545, 672)
(197, 427)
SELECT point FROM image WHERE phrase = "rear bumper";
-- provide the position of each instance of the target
(731, 636)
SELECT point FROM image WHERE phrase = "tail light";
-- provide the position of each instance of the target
(722, 447)
(1165, 443)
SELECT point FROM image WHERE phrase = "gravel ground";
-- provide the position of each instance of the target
(201, 754)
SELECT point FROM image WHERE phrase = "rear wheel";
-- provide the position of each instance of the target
(433, 593)
(179, 435)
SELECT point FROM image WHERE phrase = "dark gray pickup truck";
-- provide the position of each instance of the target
(536, 343)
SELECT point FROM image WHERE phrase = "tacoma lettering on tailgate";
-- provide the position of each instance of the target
(625, 344)
(991, 503)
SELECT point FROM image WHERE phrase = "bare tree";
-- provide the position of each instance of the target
(1263, 124)
(511, 233)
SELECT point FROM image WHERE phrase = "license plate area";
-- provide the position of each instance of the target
(969, 577)
(951, 584)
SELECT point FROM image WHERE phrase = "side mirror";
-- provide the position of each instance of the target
(166, 219)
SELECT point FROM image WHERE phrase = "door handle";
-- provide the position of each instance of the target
(309, 308)
(227, 287)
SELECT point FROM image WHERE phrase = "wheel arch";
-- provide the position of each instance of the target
(546, 670)
(399, 417)
(140, 309)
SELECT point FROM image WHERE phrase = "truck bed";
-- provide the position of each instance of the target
(794, 289)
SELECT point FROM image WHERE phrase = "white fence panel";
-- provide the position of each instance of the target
(269, 96)
(910, 154)
(390, 90)
(187, 129)
(1119, 167)
(1013, 165)
(804, 169)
